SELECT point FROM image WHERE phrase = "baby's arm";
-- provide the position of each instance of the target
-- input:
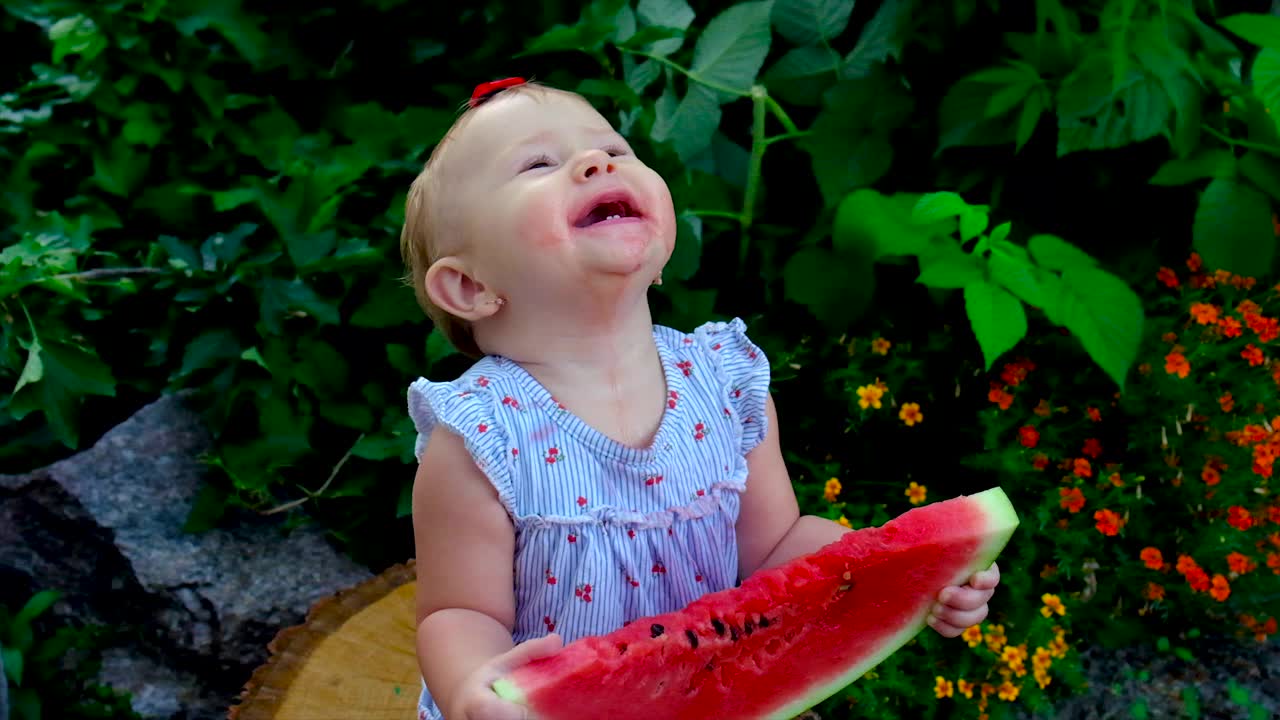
(771, 531)
(466, 602)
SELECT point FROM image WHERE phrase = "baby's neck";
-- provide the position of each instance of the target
(588, 352)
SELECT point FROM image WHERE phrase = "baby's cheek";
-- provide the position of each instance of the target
(540, 223)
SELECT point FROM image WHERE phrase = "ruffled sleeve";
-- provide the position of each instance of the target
(469, 411)
(744, 371)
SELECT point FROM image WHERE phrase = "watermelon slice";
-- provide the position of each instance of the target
(787, 638)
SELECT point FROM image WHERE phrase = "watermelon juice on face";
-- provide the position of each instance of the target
(593, 471)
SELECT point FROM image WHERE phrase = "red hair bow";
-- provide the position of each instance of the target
(484, 90)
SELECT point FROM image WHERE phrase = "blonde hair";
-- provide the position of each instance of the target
(424, 218)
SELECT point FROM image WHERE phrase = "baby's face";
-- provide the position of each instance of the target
(551, 196)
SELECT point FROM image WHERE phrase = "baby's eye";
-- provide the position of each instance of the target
(615, 151)
(541, 161)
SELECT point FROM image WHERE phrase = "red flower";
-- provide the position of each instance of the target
(1092, 448)
(1175, 363)
(1194, 263)
(1239, 518)
(1072, 499)
(1028, 436)
(1152, 558)
(1108, 522)
(1241, 564)
(1040, 461)
(1230, 327)
(1198, 579)
(1168, 277)
(1221, 588)
(1000, 396)
(1253, 354)
(1082, 468)
(1094, 415)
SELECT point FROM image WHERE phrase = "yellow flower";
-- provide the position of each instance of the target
(1008, 691)
(995, 638)
(1041, 659)
(1052, 604)
(1014, 656)
(972, 635)
(832, 490)
(1042, 678)
(845, 522)
(1058, 647)
(915, 493)
(965, 687)
(869, 396)
(910, 414)
(942, 687)
(880, 346)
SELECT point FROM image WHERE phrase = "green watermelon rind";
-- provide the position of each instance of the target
(1001, 522)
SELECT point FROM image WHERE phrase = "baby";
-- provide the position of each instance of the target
(591, 468)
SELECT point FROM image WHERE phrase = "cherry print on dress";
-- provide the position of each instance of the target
(482, 428)
(659, 568)
(631, 533)
(546, 620)
(686, 367)
(573, 538)
(554, 456)
(551, 579)
(583, 592)
(511, 402)
(672, 398)
(482, 381)
(655, 480)
(582, 502)
(699, 431)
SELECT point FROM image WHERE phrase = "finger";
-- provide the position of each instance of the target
(495, 708)
(963, 597)
(987, 579)
(960, 618)
(945, 629)
(530, 650)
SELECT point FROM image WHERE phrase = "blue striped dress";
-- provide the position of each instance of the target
(606, 533)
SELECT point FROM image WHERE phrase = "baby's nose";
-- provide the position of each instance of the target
(593, 163)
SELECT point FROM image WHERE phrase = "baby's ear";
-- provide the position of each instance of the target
(452, 288)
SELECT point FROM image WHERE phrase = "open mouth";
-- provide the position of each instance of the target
(615, 208)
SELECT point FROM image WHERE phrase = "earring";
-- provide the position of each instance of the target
(499, 301)
(658, 280)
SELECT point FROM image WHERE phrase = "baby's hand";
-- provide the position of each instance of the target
(476, 700)
(963, 606)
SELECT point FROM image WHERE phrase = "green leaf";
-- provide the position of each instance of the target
(875, 225)
(209, 349)
(806, 22)
(438, 347)
(881, 38)
(232, 199)
(935, 206)
(33, 370)
(1054, 253)
(964, 121)
(1207, 163)
(76, 35)
(950, 270)
(119, 169)
(1190, 696)
(37, 605)
(1009, 97)
(835, 288)
(382, 447)
(1098, 111)
(12, 665)
(689, 124)
(1233, 230)
(208, 508)
(1262, 170)
(1010, 265)
(687, 255)
(669, 14)
(1105, 314)
(238, 27)
(1261, 30)
(849, 140)
(1029, 119)
(972, 223)
(804, 62)
(70, 374)
(321, 367)
(1238, 694)
(998, 318)
(389, 303)
(733, 47)
(1266, 80)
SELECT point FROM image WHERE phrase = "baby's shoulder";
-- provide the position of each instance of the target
(720, 339)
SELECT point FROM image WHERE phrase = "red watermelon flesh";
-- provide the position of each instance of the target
(787, 638)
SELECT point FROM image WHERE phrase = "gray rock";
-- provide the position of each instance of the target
(105, 528)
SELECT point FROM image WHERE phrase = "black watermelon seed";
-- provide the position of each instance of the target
(764, 621)
(749, 627)
(655, 630)
(622, 648)
(709, 667)
(693, 639)
(733, 634)
(719, 627)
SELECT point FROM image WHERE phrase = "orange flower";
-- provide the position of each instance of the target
(1273, 514)
(1204, 313)
(1152, 558)
(831, 490)
(1092, 448)
(1040, 461)
(915, 493)
(1210, 475)
(1042, 408)
(1248, 307)
(1268, 329)
(1072, 499)
(1000, 396)
(910, 414)
(1273, 562)
(1194, 263)
(1253, 354)
(1230, 327)
(1186, 564)
(1240, 563)
(1154, 592)
(1116, 480)
(1239, 518)
(1094, 415)
(1175, 363)
(1144, 368)
(1169, 337)
(1168, 277)
(1015, 372)
(1198, 579)
(1108, 522)
(1221, 588)
(1082, 468)
(1028, 436)
(880, 346)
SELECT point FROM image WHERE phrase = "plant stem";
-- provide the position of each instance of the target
(759, 98)
(688, 73)
(309, 495)
(728, 215)
(1270, 150)
(779, 113)
(787, 136)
